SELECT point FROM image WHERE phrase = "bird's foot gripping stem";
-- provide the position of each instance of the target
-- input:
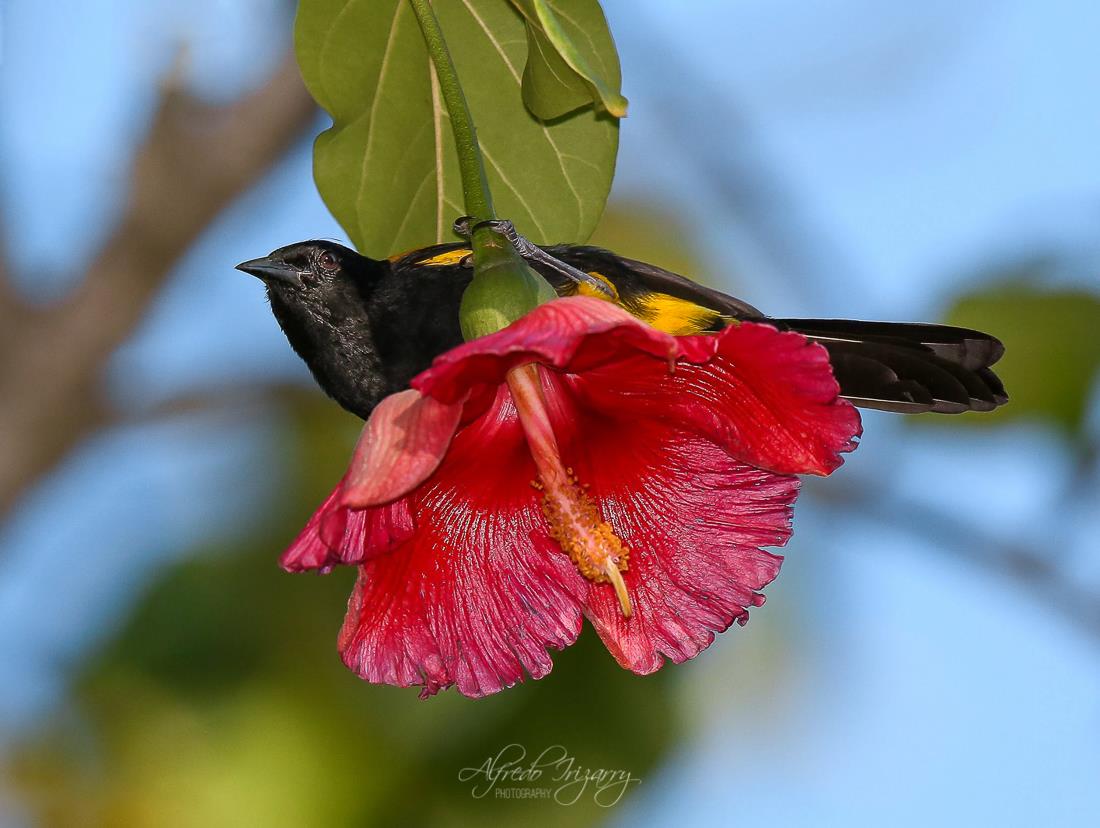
(532, 253)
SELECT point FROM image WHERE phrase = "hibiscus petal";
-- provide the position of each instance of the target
(402, 443)
(694, 520)
(338, 535)
(768, 398)
(771, 399)
(473, 598)
(696, 562)
(577, 334)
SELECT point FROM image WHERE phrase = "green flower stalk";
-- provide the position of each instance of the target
(504, 288)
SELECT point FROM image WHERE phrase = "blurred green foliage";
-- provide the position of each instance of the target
(1052, 349)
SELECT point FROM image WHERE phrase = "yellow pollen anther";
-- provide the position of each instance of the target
(576, 524)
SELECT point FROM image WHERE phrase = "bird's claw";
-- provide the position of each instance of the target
(531, 252)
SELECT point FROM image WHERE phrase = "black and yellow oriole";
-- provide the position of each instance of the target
(366, 327)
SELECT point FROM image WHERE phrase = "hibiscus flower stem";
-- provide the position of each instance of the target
(504, 288)
(475, 186)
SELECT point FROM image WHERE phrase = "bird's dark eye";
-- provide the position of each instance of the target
(328, 262)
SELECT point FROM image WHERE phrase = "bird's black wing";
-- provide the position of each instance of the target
(907, 367)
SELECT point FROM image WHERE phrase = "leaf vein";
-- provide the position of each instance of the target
(587, 36)
(493, 39)
(437, 125)
(325, 44)
(519, 196)
(372, 122)
(411, 208)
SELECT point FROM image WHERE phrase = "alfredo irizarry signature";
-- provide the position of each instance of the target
(551, 774)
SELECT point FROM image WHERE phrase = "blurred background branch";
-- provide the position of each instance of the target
(244, 399)
(196, 159)
(1040, 573)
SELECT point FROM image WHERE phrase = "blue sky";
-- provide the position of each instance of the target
(914, 137)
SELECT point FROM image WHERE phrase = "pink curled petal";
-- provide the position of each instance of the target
(403, 442)
(339, 536)
(769, 398)
(308, 550)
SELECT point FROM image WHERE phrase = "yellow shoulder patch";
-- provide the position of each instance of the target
(670, 314)
(451, 257)
(448, 257)
(588, 290)
(673, 315)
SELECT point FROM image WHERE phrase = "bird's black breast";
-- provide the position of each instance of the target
(336, 343)
(414, 316)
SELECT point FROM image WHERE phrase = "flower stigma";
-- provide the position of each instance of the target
(574, 519)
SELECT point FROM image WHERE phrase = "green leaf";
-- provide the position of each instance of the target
(388, 169)
(1052, 349)
(571, 60)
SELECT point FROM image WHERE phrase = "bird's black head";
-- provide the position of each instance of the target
(309, 273)
(320, 292)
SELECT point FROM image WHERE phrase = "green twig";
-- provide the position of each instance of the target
(475, 187)
(504, 288)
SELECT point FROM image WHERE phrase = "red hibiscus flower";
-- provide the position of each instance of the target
(577, 463)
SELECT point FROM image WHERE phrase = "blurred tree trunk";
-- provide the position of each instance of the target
(195, 160)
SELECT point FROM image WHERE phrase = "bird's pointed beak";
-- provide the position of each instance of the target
(271, 270)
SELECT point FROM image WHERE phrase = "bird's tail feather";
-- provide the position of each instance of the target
(909, 368)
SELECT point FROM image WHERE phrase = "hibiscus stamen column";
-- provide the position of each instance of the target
(575, 521)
